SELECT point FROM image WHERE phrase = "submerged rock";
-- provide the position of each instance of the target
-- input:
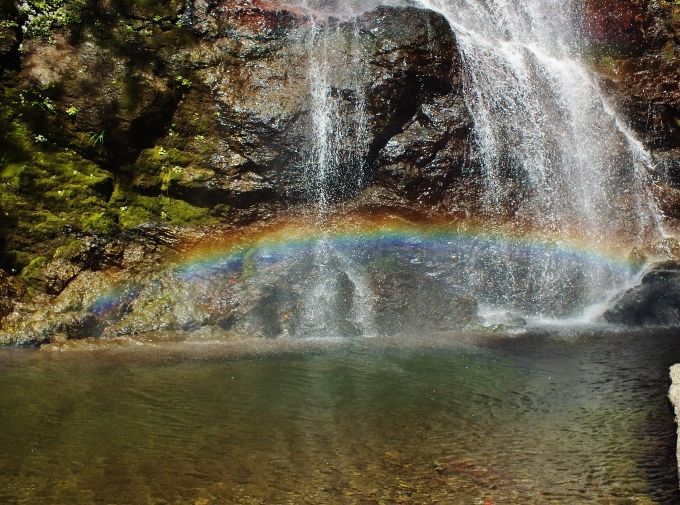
(655, 301)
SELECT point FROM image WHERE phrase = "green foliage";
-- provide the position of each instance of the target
(35, 99)
(42, 16)
(96, 138)
(183, 82)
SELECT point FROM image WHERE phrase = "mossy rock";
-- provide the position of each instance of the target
(134, 209)
(32, 274)
(47, 196)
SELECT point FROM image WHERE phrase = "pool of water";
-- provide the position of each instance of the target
(564, 419)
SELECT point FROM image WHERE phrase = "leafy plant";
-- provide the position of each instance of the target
(183, 82)
(96, 138)
(41, 16)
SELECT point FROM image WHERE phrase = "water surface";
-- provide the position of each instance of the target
(526, 420)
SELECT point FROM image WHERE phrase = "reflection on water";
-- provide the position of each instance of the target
(528, 420)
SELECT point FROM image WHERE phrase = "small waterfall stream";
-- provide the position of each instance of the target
(337, 300)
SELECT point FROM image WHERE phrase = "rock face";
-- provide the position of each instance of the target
(656, 300)
(674, 397)
(201, 112)
(251, 295)
(127, 124)
(634, 47)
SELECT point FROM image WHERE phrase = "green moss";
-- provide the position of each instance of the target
(32, 274)
(134, 209)
(22, 258)
(157, 159)
(70, 250)
(47, 196)
(668, 53)
(135, 215)
(99, 222)
(180, 212)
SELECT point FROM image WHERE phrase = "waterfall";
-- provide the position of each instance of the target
(337, 299)
(553, 152)
(555, 162)
(339, 135)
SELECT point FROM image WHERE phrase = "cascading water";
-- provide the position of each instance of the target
(553, 153)
(556, 164)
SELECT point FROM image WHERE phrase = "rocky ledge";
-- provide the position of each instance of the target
(674, 397)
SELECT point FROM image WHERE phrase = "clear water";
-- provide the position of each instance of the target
(531, 420)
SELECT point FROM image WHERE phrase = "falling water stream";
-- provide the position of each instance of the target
(337, 299)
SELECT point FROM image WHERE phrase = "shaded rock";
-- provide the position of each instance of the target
(109, 103)
(655, 301)
(8, 41)
(423, 161)
(615, 24)
(7, 295)
(636, 53)
(44, 326)
(668, 165)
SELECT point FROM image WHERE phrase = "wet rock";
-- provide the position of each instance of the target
(58, 273)
(668, 165)
(161, 303)
(423, 161)
(408, 300)
(45, 325)
(615, 23)
(655, 301)
(267, 311)
(402, 58)
(636, 53)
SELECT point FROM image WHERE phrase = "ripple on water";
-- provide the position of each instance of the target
(531, 419)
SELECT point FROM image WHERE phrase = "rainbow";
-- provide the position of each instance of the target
(228, 251)
(288, 236)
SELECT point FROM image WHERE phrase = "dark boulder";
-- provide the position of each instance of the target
(655, 301)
